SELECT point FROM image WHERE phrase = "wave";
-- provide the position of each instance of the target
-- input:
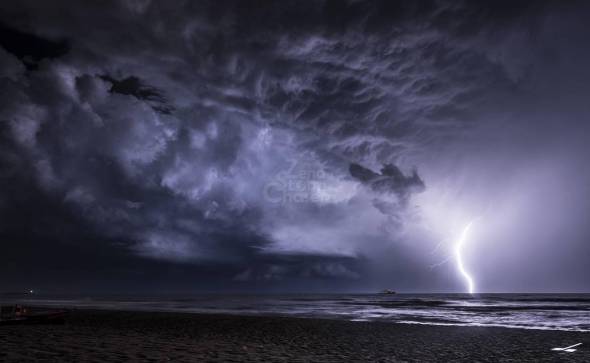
(546, 312)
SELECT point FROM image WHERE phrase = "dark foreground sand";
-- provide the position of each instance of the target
(122, 336)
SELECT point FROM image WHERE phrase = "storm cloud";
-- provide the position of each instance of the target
(236, 141)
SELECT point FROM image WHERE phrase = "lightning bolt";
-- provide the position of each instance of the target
(458, 247)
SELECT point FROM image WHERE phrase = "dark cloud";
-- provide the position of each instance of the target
(225, 138)
(390, 180)
(135, 87)
(30, 48)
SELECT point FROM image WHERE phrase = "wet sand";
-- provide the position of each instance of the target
(109, 336)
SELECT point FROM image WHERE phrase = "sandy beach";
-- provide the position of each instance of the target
(111, 336)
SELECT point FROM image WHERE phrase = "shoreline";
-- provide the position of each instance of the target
(109, 335)
(335, 317)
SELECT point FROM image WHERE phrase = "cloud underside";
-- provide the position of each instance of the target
(237, 135)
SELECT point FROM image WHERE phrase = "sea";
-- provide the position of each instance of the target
(567, 312)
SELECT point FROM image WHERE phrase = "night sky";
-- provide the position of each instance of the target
(289, 146)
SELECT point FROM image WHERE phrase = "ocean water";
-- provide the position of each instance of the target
(570, 312)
